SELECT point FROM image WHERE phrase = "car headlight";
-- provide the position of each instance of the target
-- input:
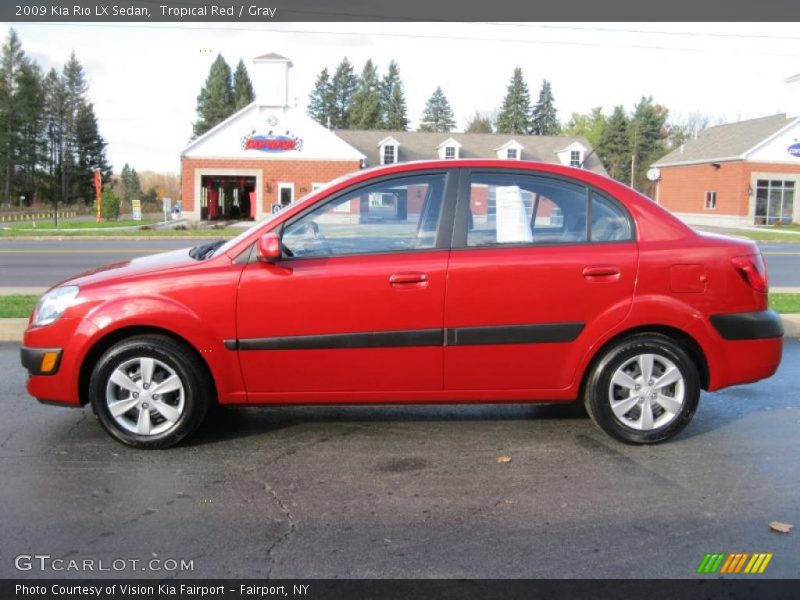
(53, 304)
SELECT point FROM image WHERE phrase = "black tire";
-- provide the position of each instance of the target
(196, 398)
(598, 391)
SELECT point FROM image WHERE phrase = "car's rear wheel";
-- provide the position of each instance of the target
(149, 391)
(643, 389)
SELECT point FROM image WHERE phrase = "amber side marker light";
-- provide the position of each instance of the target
(48, 362)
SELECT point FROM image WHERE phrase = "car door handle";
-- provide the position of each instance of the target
(410, 278)
(601, 273)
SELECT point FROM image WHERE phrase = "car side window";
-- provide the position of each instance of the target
(525, 209)
(394, 215)
(609, 221)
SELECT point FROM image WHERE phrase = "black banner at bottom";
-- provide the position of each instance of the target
(405, 589)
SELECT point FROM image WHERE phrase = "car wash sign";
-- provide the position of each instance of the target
(794, 149)
(271, 142)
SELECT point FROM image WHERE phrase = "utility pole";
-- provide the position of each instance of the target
(52, 133)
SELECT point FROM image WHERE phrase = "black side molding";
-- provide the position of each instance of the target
(376, 339)
(538, 333)
(759, 325)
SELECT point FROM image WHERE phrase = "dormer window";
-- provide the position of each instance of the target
(449, 149)
(573, 155)
(511, 150)
(388, 151)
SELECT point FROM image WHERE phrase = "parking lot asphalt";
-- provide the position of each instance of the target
(397, 492)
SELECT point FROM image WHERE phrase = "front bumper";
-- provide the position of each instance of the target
(40, 361)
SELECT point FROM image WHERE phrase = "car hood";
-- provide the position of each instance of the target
(136, 267)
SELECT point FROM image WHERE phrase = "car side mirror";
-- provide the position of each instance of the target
(269, 248)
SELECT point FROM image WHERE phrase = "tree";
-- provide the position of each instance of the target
(215, 102)
(681, 132)
(515, 114)
(12, 60)
(343, 87)
(129, 186)
(242, 87)
(438, 116)
(479, 123)
(109, 208)
(648, 133)
(590, 126)
(365, 110)
(393, 100)
(544, 118)
(89, 153)
(614, 145)
(320, 101)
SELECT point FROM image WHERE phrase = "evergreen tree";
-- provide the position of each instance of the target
(12, 61)
(343, 87)
(89, 153)
(31, 149)
(515, 114)
(130, 187)
(393, 100)
(216, 101)
(365, 109)
(438, 116)
(242, 87)
(648, 135)
(479, 123)
(614, 147)
(589, 125)
(320, 101)
(544, 118)
(55, 101)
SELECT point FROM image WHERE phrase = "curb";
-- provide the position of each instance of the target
(11, 330)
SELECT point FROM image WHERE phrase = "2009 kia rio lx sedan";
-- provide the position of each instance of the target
(447, 281)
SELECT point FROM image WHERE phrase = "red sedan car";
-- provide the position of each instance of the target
(447, 281)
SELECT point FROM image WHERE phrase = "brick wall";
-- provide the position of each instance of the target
(300, 172)
(682, 189)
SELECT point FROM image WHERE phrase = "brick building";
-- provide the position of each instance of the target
(744, 173)
(268, 154)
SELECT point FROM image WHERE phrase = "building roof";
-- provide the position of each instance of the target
(271, 56)
(423, 145)
(726, 142)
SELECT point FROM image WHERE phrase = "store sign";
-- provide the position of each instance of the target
(271, 142)
(794, 149)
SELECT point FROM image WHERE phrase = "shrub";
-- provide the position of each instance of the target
(109, 209)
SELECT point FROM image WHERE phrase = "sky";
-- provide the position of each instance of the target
(144, 78)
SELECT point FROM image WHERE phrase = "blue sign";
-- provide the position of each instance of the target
(794, 149)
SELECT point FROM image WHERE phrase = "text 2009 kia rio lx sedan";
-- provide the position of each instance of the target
(447, 281)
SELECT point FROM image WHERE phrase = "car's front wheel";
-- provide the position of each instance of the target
(149, 391)
(643, 389)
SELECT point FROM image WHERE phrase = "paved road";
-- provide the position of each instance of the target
(44, 263)
(407, 491)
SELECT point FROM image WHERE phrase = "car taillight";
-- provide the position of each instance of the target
(752, 270)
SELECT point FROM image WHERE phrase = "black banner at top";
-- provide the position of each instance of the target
(253, 11)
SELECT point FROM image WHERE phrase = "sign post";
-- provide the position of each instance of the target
(136, 209)
(167, 206)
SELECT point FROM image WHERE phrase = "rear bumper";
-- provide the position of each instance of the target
(759, 325)
(750, 349)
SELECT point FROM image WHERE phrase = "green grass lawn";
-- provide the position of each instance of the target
(21, 306)
(223, 233)
(768, 235)
(91, 224)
